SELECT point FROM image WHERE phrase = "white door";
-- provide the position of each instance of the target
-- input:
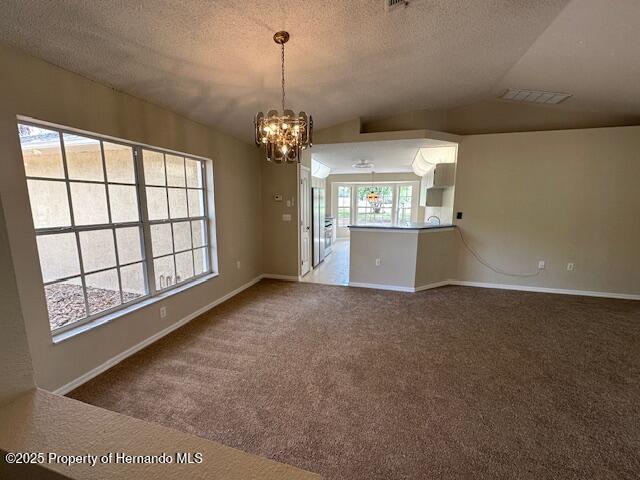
(305, 220)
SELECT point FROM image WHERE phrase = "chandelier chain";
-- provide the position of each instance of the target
(283, 78)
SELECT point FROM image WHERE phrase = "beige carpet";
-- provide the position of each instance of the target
(364, 384)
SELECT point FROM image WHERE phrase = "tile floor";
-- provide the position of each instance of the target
(335, 268)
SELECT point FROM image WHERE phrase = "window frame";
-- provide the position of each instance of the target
(395, 185)
(143, 222)
(142, 198)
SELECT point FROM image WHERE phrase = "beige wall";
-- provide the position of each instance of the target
(279, 240)
(397, 253)
(559, 196)
(34, 88)
(16, 374)
(491, 116)
(436, 257)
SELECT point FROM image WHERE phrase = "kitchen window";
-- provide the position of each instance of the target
(404, 203)
(398, 204)
(115, 222)
(344, 206)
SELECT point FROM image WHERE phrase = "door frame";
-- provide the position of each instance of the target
(301, 217)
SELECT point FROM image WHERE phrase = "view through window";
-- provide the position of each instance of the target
(115, 223)
(344, 206)
(398, 203)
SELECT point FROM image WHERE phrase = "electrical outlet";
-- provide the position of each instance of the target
(570, 266)
(163, 312)
(377, 262)
(541, 265)
(238, 264)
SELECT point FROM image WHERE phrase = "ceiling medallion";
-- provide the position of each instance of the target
(283, 135)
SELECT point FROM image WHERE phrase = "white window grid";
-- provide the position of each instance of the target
(361, 212)
(148, 223)
(344, 205)
(143, 222)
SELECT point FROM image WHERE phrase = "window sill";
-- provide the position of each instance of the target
(73, 332)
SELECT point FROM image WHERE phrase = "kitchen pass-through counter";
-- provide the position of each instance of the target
(406, 257)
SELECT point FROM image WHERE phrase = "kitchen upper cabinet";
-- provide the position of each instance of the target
(442, 176)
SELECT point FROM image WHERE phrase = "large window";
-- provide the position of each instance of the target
(398, 204)
(115, 223)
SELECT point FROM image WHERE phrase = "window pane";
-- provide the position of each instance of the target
(157, 203)
(153, 168)
(164, 272)
(196, 203)
(201, 262)
(65, 302)
(49, 203)
(129, 245)
(133, 284)
(84, 157)
(41, 152)
(103, 291)
(182, 236)
(184, 266)
(344, 205)
(175, 171)
(199, 233)
(119, 162)
(98, 250)
(123, 200)
(194, 173)
(161, 243)
(89, 202)
(178, 202)
(58, 256)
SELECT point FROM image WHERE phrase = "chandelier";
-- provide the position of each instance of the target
(283, 135)
(374, 198)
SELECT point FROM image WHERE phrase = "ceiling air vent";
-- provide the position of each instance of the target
(534, 96)
(390, 5)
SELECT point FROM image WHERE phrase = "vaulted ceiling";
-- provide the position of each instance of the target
(214, 60)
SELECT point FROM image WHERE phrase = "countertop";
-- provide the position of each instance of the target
(402, 226)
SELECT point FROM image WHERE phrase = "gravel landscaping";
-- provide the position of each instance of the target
(65, 302)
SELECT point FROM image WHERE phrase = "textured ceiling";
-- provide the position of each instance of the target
(387, 156)
(215, 61)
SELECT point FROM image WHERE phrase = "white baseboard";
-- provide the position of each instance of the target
(429, 286)
(275, 276)
(522, 288)
(561, 291)
(148, 341)
(376, 286)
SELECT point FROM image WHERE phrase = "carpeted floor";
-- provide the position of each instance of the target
(362, 384)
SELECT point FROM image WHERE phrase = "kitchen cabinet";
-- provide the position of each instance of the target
(442, 176)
